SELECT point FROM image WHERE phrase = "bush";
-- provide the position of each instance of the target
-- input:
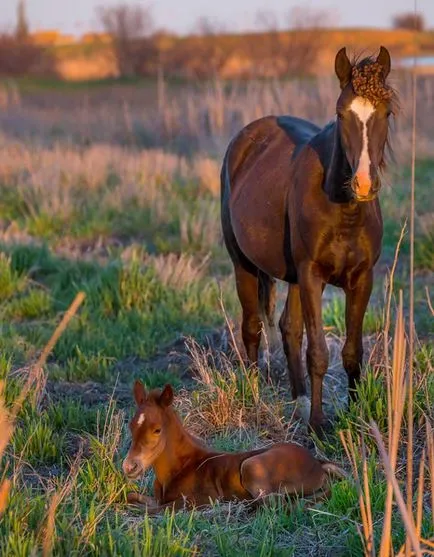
(22, 57)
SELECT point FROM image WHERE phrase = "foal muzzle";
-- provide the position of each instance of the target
(132, 469)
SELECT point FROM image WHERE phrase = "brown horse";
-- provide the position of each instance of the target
(299, 204)
(187, 471)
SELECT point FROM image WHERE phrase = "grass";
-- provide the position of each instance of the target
(138, 232)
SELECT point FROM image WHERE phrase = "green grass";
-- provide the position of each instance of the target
(123, 251)
(129, 310)
(334, 317)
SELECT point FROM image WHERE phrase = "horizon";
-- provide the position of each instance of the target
(170, 16)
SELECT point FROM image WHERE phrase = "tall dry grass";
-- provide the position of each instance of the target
(34, 384)
(399, 437)
(390, 448)
(195, 117)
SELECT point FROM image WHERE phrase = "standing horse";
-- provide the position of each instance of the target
(299, 204)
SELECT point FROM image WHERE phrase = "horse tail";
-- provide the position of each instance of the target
(267, 306)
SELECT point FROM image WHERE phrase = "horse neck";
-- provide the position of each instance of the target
(181, 450)
(337, 168)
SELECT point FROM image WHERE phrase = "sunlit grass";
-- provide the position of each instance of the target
(139, 232)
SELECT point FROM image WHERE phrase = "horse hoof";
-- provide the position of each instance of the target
(321, 428)
(302, 408)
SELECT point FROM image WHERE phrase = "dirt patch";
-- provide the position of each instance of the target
(89, 393)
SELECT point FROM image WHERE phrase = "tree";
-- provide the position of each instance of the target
(21, 57)
(22, 29)
(292, 52)
(130, 26)
(412, 21)
(213, 53)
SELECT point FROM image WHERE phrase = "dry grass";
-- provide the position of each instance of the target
(35, 381)
(232, 397)
(192, 117)
(118, 204)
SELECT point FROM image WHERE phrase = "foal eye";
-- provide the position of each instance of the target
(157, 431)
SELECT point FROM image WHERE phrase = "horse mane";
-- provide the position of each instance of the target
(368, 81)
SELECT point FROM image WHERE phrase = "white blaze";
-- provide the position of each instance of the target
(363, 109)
(141, 419)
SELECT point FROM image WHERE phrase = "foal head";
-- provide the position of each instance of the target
(148, 428)
(363, 110)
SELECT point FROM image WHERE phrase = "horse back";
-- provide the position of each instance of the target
(255, 180)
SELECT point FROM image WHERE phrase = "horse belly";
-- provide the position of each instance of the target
(262, 243)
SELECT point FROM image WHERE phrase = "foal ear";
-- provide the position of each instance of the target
(166, 397)
(343, 67)
(384, 60)
(139, 392)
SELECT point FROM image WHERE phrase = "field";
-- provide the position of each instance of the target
(113, 190)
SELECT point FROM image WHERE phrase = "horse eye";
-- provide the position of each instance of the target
(340, 116)
(157, 431)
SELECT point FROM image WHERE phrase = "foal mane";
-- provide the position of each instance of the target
(368, 81)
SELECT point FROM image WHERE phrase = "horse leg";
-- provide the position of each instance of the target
(247, 288)
(357, 299)
(291, 327)
(267, 308)
(311, 287)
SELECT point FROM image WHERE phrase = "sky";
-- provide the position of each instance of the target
(78, 16)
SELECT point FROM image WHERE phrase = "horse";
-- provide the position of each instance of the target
(300, 204)
(187, 472)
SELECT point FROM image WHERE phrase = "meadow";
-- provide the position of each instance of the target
(112, 189)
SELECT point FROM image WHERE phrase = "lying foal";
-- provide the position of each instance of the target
(189, 472)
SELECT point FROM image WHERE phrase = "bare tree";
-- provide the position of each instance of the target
(130, 26)
(267, 50)
(213, 53)
(410, 20)
(306, 39)
(292, 52)
(22, 29)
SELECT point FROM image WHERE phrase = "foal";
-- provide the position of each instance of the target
(299, 203)
(187, 471)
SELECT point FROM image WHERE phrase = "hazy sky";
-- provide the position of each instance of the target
(78, 16)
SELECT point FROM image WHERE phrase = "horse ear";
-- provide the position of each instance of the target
(166, 397)
(384, 60)
(139, 392)
(343, 67)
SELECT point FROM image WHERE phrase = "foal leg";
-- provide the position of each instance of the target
(291, 327)
(357, 299)
(317, 356)
(247, 288)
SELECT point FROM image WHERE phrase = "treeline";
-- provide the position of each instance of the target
(138, 49)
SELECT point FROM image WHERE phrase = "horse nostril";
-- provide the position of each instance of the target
(130, 468)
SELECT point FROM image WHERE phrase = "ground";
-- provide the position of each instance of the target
(97, 205)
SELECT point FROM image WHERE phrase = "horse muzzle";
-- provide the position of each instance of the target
(131, 468)
(364, 188)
